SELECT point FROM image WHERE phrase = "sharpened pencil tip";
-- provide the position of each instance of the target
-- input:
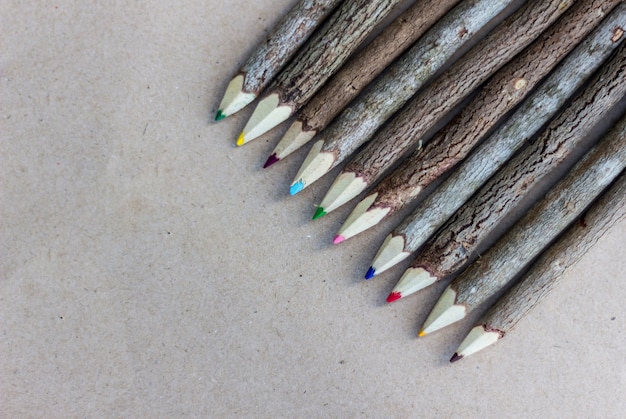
(219, 115)
(456, 357)
(394, 296)
(421, 333)
(296, 187)
(338, 239)
(240, 140)
(271, 160)
(319, 213)
(370, 273)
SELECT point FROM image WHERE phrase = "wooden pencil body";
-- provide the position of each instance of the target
(359, 71)
(357, 123)
(561, 256)
(328, 49)
(542, 224)
(505, 90)
(290, 33)
(502, 144)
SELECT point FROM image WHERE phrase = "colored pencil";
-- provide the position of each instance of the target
(547, 271)
(261, 67)
(569, 76)
(357, 73)
(420, 115)
(456, 244)
(536, 230)
(504, 91)
(358, 122)
(324, 54)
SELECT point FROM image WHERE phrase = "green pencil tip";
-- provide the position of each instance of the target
(219, 116)
(319, 213)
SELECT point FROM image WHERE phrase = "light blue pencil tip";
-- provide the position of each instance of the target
(296, 187)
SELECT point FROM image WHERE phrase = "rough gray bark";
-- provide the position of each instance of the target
(287, 37)
(505, 90)
(554, 262)
(328, 49)
(456, 243)
(357, 73)
(357, 123)
(429, 107)
(502, 144)
(546, 220)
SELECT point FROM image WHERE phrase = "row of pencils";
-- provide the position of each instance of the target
(476, 116)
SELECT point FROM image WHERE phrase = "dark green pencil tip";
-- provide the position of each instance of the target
(319, 213)
(219, 116)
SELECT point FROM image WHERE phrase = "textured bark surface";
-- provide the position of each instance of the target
(456, 243)
(554, 262)
(431, 106)
(342, 88)
(485, 160)
(545, 221)
(328, 49)
(288, 36)
(505, 90)
(357, 123)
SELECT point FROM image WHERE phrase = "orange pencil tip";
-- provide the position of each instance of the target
(421, 333)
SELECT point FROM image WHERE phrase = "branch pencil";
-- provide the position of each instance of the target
(261, 67)
(423, 112)
(455, 245)
(485, 160)
(547, 271)
(358, 122)
(503, 92)
(323, 55)
(357, 73)
(534, 232)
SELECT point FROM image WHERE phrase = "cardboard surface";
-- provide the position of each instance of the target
(148, 268)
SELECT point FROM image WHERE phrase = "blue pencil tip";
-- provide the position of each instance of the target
(370, 273)
(296, 187)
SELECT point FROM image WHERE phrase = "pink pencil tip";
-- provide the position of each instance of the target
(338, 239)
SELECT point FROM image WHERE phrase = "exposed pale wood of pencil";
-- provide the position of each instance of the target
(559, 258)
(430, 106)
(358, 122)
(506, 89)
(359, 71)
(502, 144)
(538, 228)
(286, 38)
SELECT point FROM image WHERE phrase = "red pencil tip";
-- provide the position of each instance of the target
(271, 160)
(394, 296)
(456, 357)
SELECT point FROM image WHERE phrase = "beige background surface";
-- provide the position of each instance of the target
(151, 269)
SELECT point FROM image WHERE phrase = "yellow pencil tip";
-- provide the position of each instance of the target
(421, 333)
(240, 140)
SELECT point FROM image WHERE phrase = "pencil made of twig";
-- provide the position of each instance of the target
(323, 55)
(408, 127)
(547, 271)
(470, 174)
(503, 92)
(358, 122)
(456, 244)
(357, 73)
(261, 67)
(534, 232)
